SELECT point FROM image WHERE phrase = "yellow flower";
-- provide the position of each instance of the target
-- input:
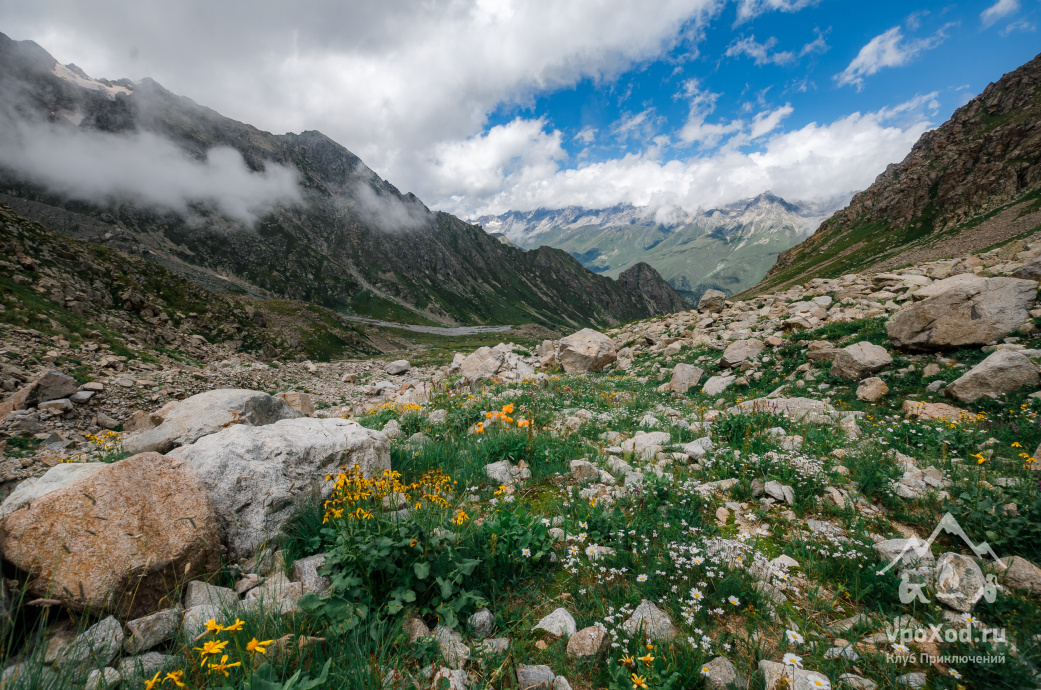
(211, 626)
(1015, 444)
(210, 648)
(175, 678)
(460, 517)
(235, 627)
(255, 646)
(638, 682)
(223, 666)
(149, 684)
(628, 660)
(647, 659)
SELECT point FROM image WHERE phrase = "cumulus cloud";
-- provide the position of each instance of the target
(143, 168)
(1018, 25)
(817, 161)
(999, 10)
(889, 49)
(391, 81)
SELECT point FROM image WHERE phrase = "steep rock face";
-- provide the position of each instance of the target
(659, 296)
(986, 156)
(352, 241)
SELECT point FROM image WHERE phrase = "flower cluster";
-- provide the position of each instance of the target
(357, 497)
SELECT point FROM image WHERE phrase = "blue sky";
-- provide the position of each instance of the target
(483, 106)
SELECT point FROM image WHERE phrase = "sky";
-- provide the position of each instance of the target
(485, 106)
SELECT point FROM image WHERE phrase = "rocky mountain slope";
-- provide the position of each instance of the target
(971, 183)
(757, 485)
(350, 241)
(728, 248)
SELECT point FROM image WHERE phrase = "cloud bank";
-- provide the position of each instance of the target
(143, 168)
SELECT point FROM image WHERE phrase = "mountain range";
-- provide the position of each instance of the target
(728, 248)
(298, 216)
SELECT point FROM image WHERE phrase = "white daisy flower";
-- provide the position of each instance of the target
(792, 660)
(794, 636)
(734, 600)
(641, 578)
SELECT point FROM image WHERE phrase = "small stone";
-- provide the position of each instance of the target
(912, 680)
(148, 631)
(398, 367)
(654, 622)
(590, 641)
(194, 620)
(780, 492)
(199, 593)
(495, 645)
(305, 571)
(482, 622)
(872, 389)
(559, 623)
(1021, 574)
(720, 674)
(852, 680)
(99, 645)
(102, 679)
(535, 677)
(959, 582)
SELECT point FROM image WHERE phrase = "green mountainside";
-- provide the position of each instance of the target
(353, 243)
(970, 184)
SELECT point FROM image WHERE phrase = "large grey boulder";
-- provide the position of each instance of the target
(208, 413)
(685, 377)
(1004, 371)
(712, 301)
(717, 384)
(586, 351)
(959, 582)
(257, 476)
(859, 360)
(58, 477)
(482, 363)
(739, 351)
(973, 313)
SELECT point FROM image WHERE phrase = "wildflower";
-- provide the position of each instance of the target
(954, 674)
(175, 677)
(901, 648)
(734, 600)
(255, 646)
(628, 660)
(704, 670)
(819, 682)
(223, 666)
(1015, 444)
(792, 660)
(210, 648)
(149, 684)
(641, 578)
(460, 517)
(638, 682)
(235, 627)
(211, 626)
(526, 553)
(647, 659)
(794, 636)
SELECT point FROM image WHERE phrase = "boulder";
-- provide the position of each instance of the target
(685, 377)
(1021, 574)
(506, 473)
(199, 593)
(120, 538)
(804, 410)
(720, 674)
(1003, 371)
(584, 471)
(930, 412)
(646, 445)
(305, 571)
(794, 678)
(482, 623)
(591, 641)
(586, 351)
(301, 402)
(859, 360)
(97, 646)
(739, 351)
(959, 582)
(148, 631)
(208, 413)
(258, 476)
(780, 492)
(1029, 271)
(558, 623)
(482, 363)
(654, 622)
(872, 389)
(52, 385)
(58, 477)
(905, 553)
(398, 367)
(535, 677)
(134, 671)
(974, 313)
(712, 301)
(717, 384)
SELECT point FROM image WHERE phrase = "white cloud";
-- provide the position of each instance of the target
(749, 9)
(586, 135)
(766, 122)
(1018, 25)
(889, 49)
(391, 81)
(143, 168)
(814, 162)
(999, 10)
(760, 52)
